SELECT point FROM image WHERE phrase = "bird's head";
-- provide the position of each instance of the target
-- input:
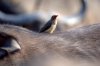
(54, 17)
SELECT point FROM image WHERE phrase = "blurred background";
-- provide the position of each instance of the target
(60, 7)
(71, 7)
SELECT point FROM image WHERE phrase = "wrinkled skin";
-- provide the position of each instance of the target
(78, 47)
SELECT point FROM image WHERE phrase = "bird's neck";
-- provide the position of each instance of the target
(54, 22)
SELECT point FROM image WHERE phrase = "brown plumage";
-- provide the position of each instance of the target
(50, 26)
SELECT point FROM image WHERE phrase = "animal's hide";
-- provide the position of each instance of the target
(79, 47)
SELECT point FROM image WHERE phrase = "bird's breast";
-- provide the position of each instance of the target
(52, 28)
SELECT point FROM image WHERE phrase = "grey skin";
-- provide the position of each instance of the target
(17, 12)
(78, 47)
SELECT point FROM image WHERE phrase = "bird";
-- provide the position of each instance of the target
(50, 26)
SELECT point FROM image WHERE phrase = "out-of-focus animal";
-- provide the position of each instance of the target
(32, 15)
(78, 47)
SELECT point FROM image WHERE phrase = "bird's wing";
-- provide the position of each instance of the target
(46, 26)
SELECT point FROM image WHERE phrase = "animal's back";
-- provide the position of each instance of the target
(78, 47)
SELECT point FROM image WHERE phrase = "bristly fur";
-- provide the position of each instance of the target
(80, 45)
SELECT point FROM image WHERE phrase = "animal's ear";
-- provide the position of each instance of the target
(8, 44)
